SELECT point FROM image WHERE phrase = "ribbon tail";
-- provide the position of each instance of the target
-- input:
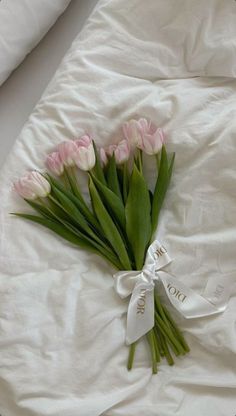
(219, 289)
(189, 303)
(140, 317)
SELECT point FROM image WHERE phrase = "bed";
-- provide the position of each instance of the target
(22, 27)
(17, 100)
(62, 327)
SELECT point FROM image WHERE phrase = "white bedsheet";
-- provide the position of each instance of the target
(62, 327)
(17, 100)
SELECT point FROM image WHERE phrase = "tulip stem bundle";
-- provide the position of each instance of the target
(121, 219)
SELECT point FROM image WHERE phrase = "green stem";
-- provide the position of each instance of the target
(159, 307)
(169, 334)
(158, 356)
(150, 338)
(97, 169)
(131, 356)
(140, 161)
(158, 161)
(72, 178)
(112, 177)
(176, 330)
(125, 182)
(65, 180)
(167, 353)
(157, 333)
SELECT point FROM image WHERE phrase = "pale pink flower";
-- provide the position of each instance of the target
(132, 131)
(152, 139)
(68, 152)
(110, 149)
(85, 156)
(84, 140)
(32, 185)
(103, 156)
(54, 163)
(122, 152)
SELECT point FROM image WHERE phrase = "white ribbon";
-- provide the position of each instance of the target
(141, 284)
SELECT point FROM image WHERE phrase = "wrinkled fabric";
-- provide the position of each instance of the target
(62, 326)
(22, 24)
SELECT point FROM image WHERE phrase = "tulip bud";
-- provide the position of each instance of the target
(32, 185)
(68, 152)
(110, 149)
(122, 152)
(103, 156)
(84, 140)
(133, 131)
(152, 140)
(54, 163)
(85, 156)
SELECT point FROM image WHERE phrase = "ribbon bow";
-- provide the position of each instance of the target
(141, 284)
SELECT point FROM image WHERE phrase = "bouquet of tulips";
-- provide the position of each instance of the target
(119, 221)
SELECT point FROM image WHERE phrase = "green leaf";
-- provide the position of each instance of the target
(69, 207)
(71, 178)
(82, 207)
(125, 181)
(97, 170)
(139, 160)
(162, 183)
(108, 226)
(75, 215)
(101, 250)
(172, 161)
(112, 177)
(112, 202)
(44, 211)
(150, 196)
(138, 216)
(73, 235)
(57, 228)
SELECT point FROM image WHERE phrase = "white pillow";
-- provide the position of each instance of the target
(22, 24)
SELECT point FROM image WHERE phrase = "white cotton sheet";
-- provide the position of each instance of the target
(62, 326)
(22, 25)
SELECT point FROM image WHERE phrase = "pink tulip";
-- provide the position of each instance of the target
(84, 140)
(85, 156)
(152, 139)
(110, 149)
(103, 156)
(122, 152)
(133, 131)
(54, 163)
(32, 185)
(68, 152)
